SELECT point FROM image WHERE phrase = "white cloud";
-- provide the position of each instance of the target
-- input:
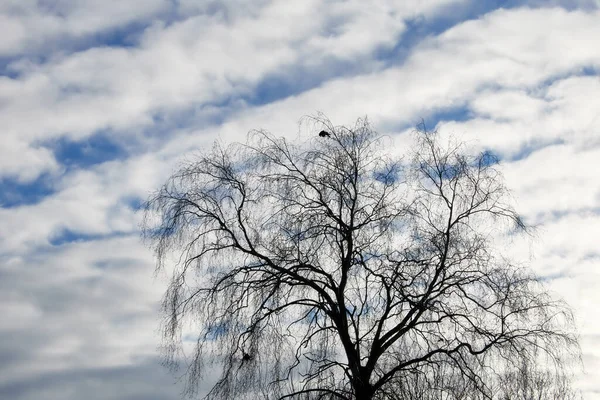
(449, 71)
(18, 159)
(29, 25)
(555, 180)
(85, 305)
(189, 64)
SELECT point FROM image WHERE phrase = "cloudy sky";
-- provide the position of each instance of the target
(100, 99)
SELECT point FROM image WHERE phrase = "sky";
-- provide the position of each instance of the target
(101, 99)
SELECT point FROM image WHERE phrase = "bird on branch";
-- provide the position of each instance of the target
(324, 134)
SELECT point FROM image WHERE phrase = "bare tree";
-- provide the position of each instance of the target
(330, 269)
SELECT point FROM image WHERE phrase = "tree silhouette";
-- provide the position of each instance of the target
(332, 270)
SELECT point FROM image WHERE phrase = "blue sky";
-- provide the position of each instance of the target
(100, 100)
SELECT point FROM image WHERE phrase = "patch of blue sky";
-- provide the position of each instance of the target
(8, 67)
(435, 118)
(122, 36)
(67, 236)
(488, 158)
(215, 331)
(15, 65)
(295, 79)
(417, 29)
(420, 27)
(72, 155)
(428, 119)
(278, 86)
(125, 36)
(14, 193)
(129, 34)
(214, 112)
(134, 203)
(528, 148)
(114, 263)
(578, 71)
(390, 175)
(95, 149)
(556, 215)
(552, 276)
(586, 5)
(590, 70)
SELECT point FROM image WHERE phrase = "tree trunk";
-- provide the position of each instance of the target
(363, 389)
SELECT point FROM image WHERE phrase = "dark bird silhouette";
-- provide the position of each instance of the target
(324, 134)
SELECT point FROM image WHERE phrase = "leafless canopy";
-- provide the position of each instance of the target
(331, 269)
